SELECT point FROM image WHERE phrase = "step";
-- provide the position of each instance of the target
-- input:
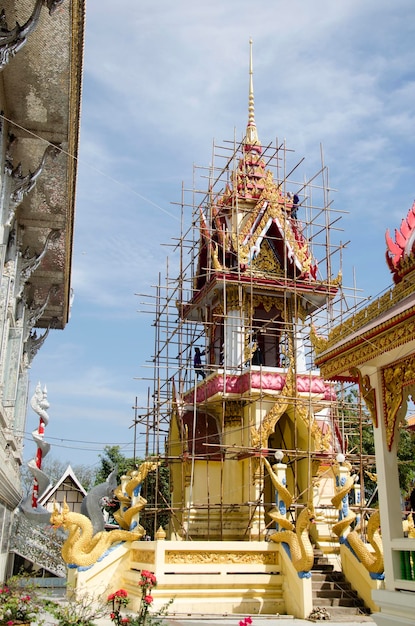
(330, 575)
(331, 584)
(322, 567)
(336, 593)
(352, 603)
(343, 614)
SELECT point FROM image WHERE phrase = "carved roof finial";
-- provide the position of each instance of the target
(251, 141)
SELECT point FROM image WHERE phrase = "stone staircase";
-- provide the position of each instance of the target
(332, 592)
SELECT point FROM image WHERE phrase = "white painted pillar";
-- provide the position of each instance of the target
(234, 339)
(388, 487)
(299, 349)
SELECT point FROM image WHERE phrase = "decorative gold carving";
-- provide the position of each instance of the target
(275, 208)
(259, 437)
(368, 393)
(319, 343)
(233, 301)
(268, 302)
(321, 443)
(394, 379)
(394, 337)
(219, 557)
(267, 262)
(250, 347)
(371, 312)
(216, 264)
(143, 556)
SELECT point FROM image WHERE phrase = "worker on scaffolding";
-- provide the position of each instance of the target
(197, 363)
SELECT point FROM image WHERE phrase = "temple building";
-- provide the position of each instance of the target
(241, 414)
(41, 51)
(376, 349)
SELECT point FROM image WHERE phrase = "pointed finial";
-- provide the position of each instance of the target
(251, 140)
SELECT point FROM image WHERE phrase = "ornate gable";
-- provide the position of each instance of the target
(400, 253)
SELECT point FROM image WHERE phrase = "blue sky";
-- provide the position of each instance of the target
(162, 80)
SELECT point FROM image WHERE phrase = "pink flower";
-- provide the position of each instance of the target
(121, 593)
(112, 615)
(125, 620)
(148, 599)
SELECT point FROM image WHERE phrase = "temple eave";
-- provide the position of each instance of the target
(314, 294)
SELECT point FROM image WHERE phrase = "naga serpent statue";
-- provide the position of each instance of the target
(296, 537)
(129, 495)
(82, 547)
(340, 501)
(372, 560)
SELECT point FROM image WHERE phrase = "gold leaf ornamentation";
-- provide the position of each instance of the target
(394, 379)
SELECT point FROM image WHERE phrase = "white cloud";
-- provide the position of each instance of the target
(161, 81)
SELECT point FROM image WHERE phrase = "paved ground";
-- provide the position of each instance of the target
(233, 620)
(257, 620)
(263, 620)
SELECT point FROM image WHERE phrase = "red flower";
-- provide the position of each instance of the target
(125, 620)
(148, 599)
(121, 593)
(112, 615)
(111, 597)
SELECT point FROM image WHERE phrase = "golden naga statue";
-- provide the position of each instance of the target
(82, 547)
(129, 495)
(302, 553)
(337, 501)
(296, 537)
(372, 560)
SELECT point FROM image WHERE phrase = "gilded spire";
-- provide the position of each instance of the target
(251, 141)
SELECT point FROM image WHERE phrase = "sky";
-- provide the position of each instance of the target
(161, 81)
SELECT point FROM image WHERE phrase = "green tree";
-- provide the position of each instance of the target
(112, 458)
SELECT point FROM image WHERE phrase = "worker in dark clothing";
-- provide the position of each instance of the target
(197, 363)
